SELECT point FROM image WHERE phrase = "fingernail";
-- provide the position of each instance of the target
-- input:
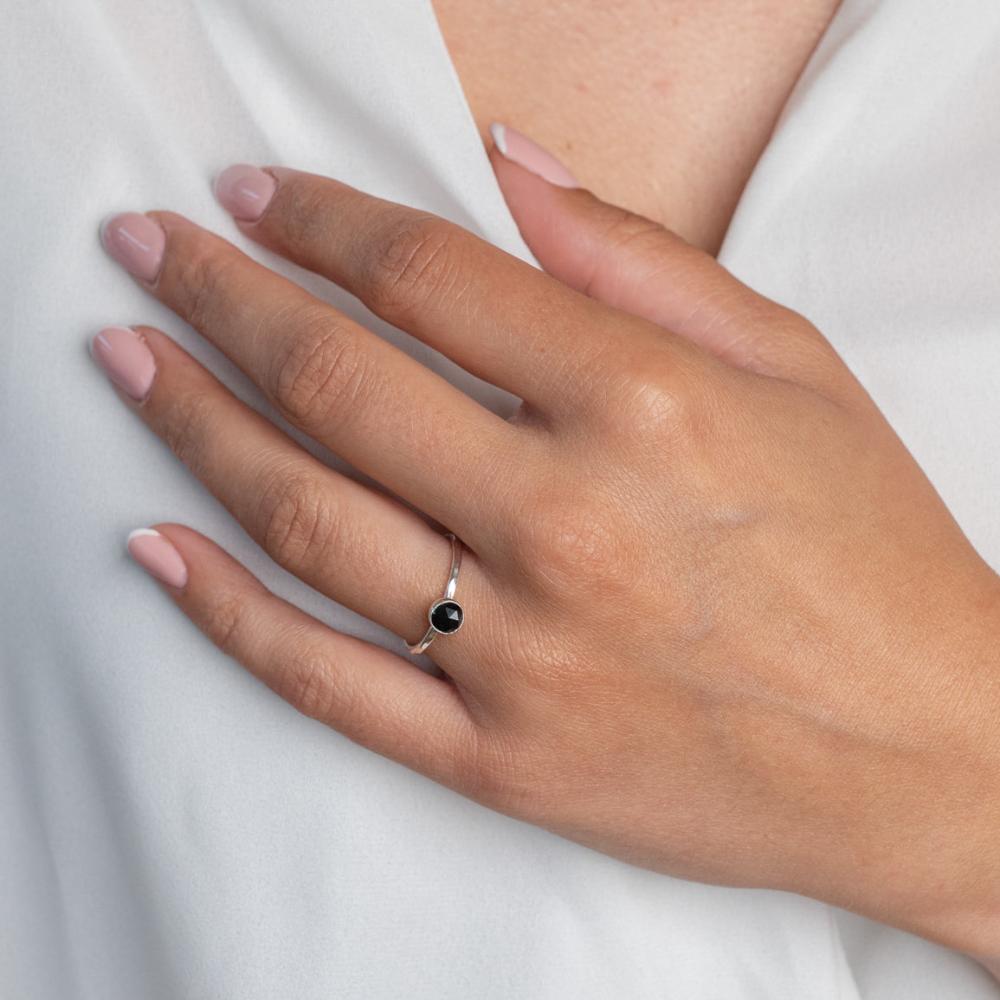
(244, 191)
(157, 556)
(126, 360)
(525, 152)
(136, 242)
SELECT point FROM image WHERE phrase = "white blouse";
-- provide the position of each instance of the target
(168, 827)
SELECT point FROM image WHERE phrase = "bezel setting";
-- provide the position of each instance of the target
(455, 613)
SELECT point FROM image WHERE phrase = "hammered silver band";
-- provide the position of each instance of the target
(445, 615)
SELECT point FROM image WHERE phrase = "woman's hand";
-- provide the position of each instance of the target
(718, 623)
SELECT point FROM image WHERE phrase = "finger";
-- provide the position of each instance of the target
(637, 265)
(363, 691)
(496, 316)
(385, 413)
(358, 547)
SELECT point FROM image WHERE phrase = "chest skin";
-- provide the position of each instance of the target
(663, 106)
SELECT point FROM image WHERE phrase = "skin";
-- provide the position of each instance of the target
(661, 106)
(719, 623)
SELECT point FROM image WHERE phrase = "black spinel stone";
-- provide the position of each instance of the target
(446, 616)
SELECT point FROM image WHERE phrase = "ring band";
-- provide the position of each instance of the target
(445, 615)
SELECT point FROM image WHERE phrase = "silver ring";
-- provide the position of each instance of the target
(445, 616)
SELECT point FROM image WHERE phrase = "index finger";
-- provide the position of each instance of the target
(498, 317)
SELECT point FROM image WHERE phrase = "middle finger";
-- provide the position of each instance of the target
(387, 415)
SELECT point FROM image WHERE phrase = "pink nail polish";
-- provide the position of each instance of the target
(244, 191)
(136, 242)
(518, 148)
(157, 556)
(126, 360)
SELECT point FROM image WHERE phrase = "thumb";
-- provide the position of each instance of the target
(636, 265)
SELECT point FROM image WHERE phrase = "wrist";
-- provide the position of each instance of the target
(941, 846)
(917, 842)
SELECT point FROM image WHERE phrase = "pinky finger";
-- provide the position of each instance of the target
(365, 692)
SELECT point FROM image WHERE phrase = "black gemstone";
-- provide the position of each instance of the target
(446, 616)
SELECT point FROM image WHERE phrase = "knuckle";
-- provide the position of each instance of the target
(297, 519)
(624, 233)
(199, 276)
(652, 402)
(224, 622)
(569, 542)
(413, 261)
(307, 682)
(319, 373)
(656, 408)
(305, 212)
(187, 426)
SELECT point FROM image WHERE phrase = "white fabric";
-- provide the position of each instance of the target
(168, 827)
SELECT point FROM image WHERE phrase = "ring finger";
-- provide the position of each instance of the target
(358, 547)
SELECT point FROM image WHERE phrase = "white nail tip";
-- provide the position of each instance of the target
(141, 533)
(499, 134)
(102, 229)
(97, 340)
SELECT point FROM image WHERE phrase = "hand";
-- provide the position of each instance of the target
(718, 622)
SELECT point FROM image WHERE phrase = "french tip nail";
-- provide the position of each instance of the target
(102, 229)
(157, 556)
(525, 152)
(98, 345)
(499, 135)
(141, 533)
